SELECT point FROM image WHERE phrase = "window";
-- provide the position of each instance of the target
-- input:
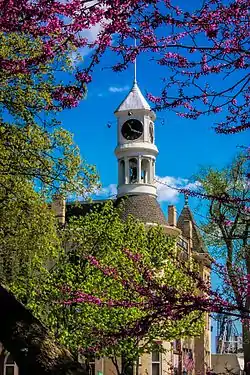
(183, 244)
(122, 172)
(176, 346)
(10, 367)
(145, 171)
(156, 362)
(151, 132)
(132, 171)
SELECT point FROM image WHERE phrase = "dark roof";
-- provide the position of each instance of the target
(142, 207)
(83, 208)
(186, 214)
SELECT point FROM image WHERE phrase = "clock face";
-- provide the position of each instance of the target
(132, 129)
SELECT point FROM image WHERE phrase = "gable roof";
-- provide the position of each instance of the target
(186, 214)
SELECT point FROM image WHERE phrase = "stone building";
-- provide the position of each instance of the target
(136, 153)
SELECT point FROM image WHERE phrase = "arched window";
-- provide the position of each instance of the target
(145, 171)
(133, 174)
(10, 367)
(122, 172)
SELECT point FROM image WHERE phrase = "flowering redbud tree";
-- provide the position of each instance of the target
(193, 45)
(226, 230)
(205, 58)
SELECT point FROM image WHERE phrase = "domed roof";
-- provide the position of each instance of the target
(143, 207)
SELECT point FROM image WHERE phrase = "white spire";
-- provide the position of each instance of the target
(135, 67)
(134, 100)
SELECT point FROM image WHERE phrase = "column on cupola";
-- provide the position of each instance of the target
(121, 171)
(146, 169)
(153, 171)
(139, 169)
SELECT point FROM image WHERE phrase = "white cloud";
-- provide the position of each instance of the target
(118, 89)
(109, 191)
(167, 189)
(90, 34)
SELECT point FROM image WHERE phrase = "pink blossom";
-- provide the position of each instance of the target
(83, 77)
(212, 31)
(217, 109)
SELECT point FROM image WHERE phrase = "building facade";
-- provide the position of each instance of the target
(136, 154)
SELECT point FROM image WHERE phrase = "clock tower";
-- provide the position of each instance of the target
(136, 150)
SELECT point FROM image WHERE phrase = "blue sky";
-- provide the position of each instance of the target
(184, 145)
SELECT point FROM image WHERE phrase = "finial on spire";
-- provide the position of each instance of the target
(135, 81)
(185, 199)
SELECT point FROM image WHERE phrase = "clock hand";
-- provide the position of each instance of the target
(136, 131)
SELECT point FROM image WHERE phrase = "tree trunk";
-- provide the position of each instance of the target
(32, 346)
(246, 344)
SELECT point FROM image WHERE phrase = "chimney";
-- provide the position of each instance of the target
(59, 207)
(172, 216)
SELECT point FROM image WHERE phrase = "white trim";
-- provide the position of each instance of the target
(156, 362)
(9, 365)
(136, 189)
(133, 148)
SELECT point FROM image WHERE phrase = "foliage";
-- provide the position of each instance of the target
(32, 144)
(227, 231)
(28, 238)
(227, 224)
(37, 159)
(94, 297)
